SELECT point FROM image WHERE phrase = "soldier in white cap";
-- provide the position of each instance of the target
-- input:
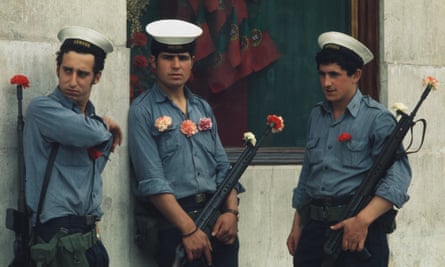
(346, 132)
(177, 156)
(65, 123)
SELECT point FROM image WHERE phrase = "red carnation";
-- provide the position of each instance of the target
(20, 80)
(276, 122)
(344, 137)
(140, 61)
(93, 153)
(134, 80)
(139, 39)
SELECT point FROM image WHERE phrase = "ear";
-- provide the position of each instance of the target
(152, 62)
(97, 77)
(357, 75)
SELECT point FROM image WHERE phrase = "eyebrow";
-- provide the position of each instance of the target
(80, 72)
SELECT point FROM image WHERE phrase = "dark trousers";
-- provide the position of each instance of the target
(169, 237)
(310, 247)
(222, 255)
(97, 255)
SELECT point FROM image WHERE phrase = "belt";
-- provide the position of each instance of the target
(87, 220)
(200, 198)
(328, 209)
(82, 224)
(327, 214)
(331, 201)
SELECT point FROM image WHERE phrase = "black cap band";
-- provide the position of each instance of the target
(82, 46)
(346, 52)
(157, 48)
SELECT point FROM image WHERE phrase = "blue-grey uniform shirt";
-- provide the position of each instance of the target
(334, 168)
(75, 186)
(169, 161)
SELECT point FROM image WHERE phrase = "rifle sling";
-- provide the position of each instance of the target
(45, 183)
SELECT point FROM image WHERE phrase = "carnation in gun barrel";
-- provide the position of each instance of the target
(249, 137)
(431, 81)
(276, 122)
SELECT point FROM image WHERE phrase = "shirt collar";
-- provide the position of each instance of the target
(160, 96)
(70, 104)
(353, 106)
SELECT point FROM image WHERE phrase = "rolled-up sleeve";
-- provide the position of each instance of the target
(144, 155)
(394, 185)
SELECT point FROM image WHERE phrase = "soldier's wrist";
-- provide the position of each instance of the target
(232, 211)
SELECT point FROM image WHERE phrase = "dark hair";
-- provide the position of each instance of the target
(344, 57)
(72, 45)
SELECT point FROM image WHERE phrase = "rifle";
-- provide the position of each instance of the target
(211, 211)
(18, 220)
(365, 192)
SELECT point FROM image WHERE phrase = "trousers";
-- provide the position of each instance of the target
(222, 255)
(309, 252)
(168, 238)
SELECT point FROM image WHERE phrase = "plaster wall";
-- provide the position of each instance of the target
(412, 43)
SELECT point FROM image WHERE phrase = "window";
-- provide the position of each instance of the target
(284, 80)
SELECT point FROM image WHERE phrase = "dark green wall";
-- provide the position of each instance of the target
(290, 86)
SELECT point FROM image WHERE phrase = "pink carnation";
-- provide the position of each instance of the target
(162, 123)
(188, 128)
(205, 124)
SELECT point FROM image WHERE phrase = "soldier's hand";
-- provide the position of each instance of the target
(354, 233)
(197, 245)
(226, 228)
(115, 130)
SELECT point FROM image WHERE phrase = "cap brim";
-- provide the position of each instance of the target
(348, 42)
(87, 34)
(173, 32)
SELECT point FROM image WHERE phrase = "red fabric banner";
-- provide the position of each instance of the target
(233, 48)
(211, 5)
(241, 10)
(221, 75)
(245, 68)
(204, 44)
(263, 49)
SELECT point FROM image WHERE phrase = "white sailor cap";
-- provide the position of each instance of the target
(85, 37)
(173, 35)
(336, 40)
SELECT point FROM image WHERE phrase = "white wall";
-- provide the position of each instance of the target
(412, 43)
(28, 43)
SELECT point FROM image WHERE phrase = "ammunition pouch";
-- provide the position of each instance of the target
(148, 221)
(388, 221)
(67, 250)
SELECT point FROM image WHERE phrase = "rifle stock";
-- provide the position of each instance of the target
(211, 211)
(365, 192)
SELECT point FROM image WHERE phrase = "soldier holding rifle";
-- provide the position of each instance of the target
(177, 156)
(346, 133)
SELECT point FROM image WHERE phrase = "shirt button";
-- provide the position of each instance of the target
(198, 174)
(323, 189)
(330, 147)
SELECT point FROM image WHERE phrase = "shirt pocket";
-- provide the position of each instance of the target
(206, 142)
(167, 141)
(313, 151)
(355, 153)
